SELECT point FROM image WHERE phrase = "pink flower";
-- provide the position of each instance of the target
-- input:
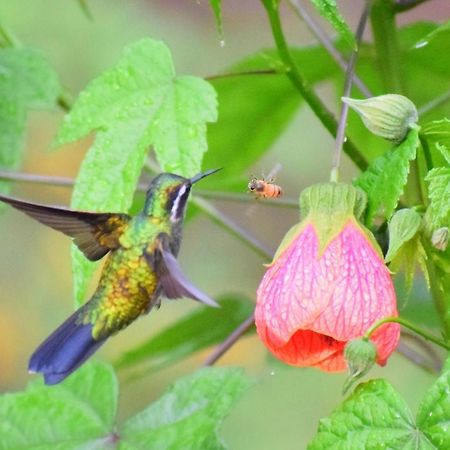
(327, 285)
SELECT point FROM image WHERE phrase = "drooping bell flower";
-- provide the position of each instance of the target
(327, 284)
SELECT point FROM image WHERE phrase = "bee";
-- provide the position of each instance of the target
(263, 188)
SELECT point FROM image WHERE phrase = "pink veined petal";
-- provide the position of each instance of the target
(338, 296)
(290, 295)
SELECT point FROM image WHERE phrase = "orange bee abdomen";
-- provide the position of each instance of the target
(264, 189)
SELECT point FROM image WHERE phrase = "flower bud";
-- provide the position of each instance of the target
(439, 238)
(389, 116)
(360, 355)
(326, 285)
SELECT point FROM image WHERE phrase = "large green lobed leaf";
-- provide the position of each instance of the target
(68, 416)
(376, 417)
(27, 81)
(189, 415)
(80, 413)
(138, 103)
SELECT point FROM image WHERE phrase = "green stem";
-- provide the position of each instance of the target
(385, 38)
(232, 227)
(215, 195)
(318, 107)
(7, 39)
(426, 151)
(410, 326)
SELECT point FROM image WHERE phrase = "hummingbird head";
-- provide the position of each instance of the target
(168, 193)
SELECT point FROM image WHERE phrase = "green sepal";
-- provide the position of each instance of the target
(360, 355)
(329, 206)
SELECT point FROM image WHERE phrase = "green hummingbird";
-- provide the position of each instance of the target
(140, 268)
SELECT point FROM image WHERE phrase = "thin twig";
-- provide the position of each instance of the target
(319, 108)
(35, 178)
(340, 134)
(434, 103)
(232, 227)
(222, 348)
(53, 180)
(428, 349)
(244, 73)
(416, 358)
(327, 43)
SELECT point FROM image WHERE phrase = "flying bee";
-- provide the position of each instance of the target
(266, 188)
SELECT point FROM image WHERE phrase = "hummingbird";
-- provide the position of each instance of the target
(140, 268)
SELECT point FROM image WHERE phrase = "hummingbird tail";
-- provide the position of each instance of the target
(69, 346)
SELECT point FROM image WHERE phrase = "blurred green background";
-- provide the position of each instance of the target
(283, 408)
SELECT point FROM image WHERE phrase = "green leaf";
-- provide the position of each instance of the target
(439, 194)
(27, 81)
(402, 227)
(189, 415)
(386, 177)
(407, 257)
(78, 413)
(138, 103)
(374, 416)
(442, 31)
(190, 334)
(437, 133)
(434, 411)
(249, 123)
(216, 6)
(329, 10)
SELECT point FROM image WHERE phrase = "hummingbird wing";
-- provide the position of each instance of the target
(173, 281)
(95, 234)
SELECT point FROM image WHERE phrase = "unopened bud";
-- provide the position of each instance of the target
(389, 116)
(439, 238)
(360, 355)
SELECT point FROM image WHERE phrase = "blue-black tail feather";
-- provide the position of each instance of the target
(69, 346)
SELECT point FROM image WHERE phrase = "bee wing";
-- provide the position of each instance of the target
(273, 173)
(95, 234)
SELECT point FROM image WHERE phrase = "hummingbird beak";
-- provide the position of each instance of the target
(201, 175)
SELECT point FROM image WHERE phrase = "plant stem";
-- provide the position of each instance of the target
(434, 103)
(319, 109)
(327, 43)
(410, 326)
(244, 73)
(222, 348)
(8, 39)
(142, 187)
(232, 227)
(340, 135)
(426, 151)
(385, 38)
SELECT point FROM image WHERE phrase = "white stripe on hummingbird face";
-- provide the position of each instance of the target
(178, 206)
